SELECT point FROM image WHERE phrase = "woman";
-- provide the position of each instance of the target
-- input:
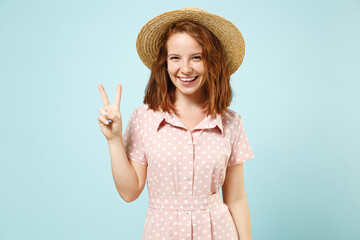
(184, 140)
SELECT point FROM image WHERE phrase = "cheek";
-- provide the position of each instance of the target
(172, 76)
(172, 70)
(200, 68)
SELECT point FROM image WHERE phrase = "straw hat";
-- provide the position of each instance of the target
(150, 34)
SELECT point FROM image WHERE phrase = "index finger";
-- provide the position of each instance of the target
(103, 95)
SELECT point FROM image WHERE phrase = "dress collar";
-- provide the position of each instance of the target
(173, 119)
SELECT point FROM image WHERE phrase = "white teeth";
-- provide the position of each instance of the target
(187, 79)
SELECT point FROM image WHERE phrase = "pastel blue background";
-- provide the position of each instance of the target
(297, 90)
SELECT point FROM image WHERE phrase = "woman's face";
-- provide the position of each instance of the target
(185, 66)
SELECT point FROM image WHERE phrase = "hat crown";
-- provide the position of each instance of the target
(192, 9)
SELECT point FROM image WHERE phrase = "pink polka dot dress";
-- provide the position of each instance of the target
(185, 171)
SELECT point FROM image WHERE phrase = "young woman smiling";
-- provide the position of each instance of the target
(184, 140)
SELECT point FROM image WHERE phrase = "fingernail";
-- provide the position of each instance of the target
(109, 120)
(107, 114)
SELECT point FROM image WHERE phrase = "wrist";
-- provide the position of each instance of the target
(116, 140)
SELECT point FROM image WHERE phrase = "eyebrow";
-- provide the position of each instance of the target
(179, 55)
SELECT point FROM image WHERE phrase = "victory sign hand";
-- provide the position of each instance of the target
(110, 117)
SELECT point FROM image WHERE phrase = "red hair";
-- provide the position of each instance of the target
(160, 91)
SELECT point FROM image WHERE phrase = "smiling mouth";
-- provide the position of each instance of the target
(187, 80)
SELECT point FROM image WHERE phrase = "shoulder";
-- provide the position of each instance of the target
(230, 117)
(141, 109)
(232, 123)
(143, 112)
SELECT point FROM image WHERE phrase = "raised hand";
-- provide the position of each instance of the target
(110, 118)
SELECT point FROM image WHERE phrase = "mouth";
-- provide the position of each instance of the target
(188, 79)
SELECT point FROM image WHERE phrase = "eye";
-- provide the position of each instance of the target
(174, 58)
(197, 57)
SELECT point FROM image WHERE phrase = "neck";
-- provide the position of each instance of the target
(186, 102)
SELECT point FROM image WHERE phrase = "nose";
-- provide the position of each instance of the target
(186, 67)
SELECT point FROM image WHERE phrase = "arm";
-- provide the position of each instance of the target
(234, 197)
(129, 177)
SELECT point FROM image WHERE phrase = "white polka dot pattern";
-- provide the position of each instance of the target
(184, 166)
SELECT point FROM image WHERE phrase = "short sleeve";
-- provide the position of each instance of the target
(133, 143)
(241, 150)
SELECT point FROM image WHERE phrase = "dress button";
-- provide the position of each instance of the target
(187, 212)
(187, 178)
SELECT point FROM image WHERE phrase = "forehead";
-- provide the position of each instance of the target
(182, 41)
